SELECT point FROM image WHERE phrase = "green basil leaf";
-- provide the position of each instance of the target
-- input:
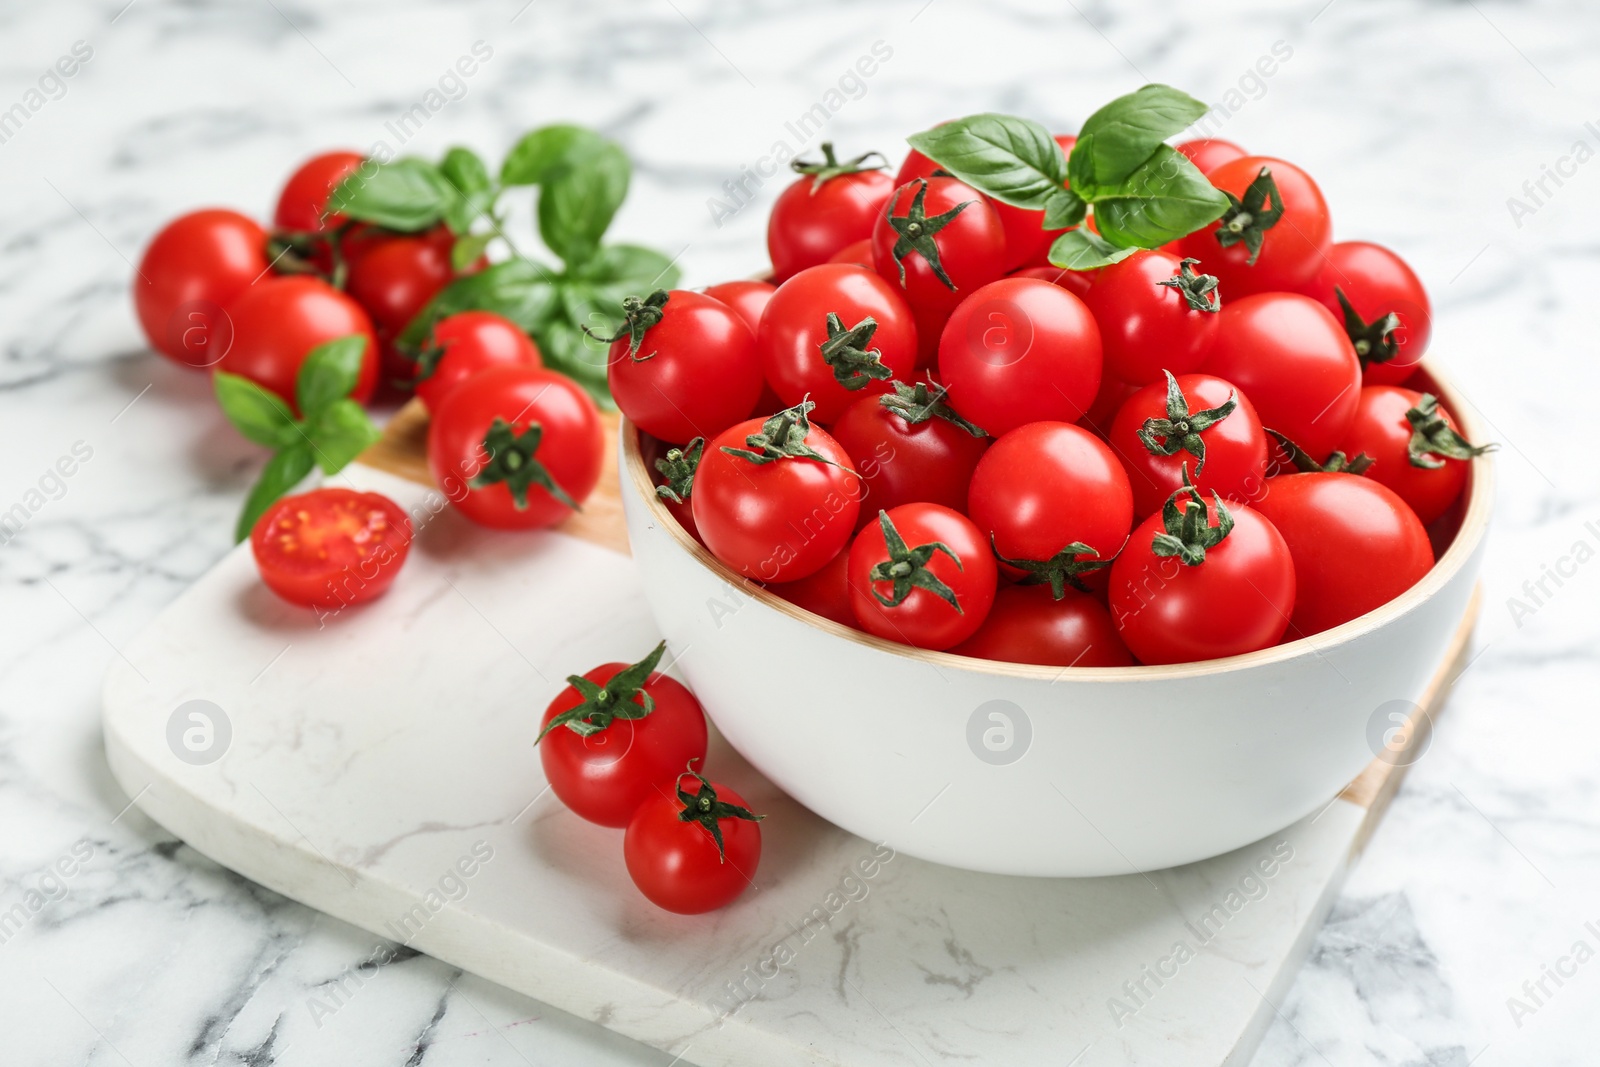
(468, 247)
(472, 189)
(619, 271)
(545, 151)
(1163, 200)
(329, 373)
(1083, 249)
(580, 357)
(1064, 211)
(1013, 160)
(282, 473)
(259, 414)
(577, 204)
(408, 194)
(340, 433)
(1117, 140)
(519, 289)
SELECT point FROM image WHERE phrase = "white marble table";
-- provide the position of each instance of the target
(1420, 120)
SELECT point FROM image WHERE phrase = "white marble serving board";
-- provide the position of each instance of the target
(369, 764)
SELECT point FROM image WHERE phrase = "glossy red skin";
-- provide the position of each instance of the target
(1380, 429)
(1076, 282)
(904, 462)
(1107, 402)
(192, 270)
(923, 619)
(605, 776)
(1292, 359)
(795, 324)
(1029, 625)
(1209, 153)
(777, 521)
(1147, 327)
(1043, 486)
(278, 321)
(825, 593)
(676, 864)
(856, 253)
(1293, 251)
(571, 448)
(305, 194)
(394, 278)
(696, 372)
(1027, 241)
(1236, 447)
(1355, 544)
(749, 298)
(972, 247)
(914, 166)
(1238, 600)
(474, 341)
(811, 223)
(1021, 350)
(1377, 282)
(331, 547)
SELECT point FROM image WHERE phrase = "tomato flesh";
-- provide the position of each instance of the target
(331, 547)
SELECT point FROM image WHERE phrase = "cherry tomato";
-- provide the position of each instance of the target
(1231, 590)
(914, 166)
(921, 574)
(825, 593)
(1107, 402)
(677, 863)
(1156, 313)
(673, 474)
(776, 499)
(331, 547)
(938, 241)
(193, 269)
(1052, 500)
(277, 321)
(603, 763)
(832, 205)
(835, 333)
(1288, 355)
(1416, 447)
(1029, 625)
(1076, 282)
(1289, 249)
(516, 448)
(394, 279)
(856, 253)
(1021, 350)
(910, 446)
(1194, 422)
(1355, 544)
(1377, 284)
(463, 344)
(748, 298)
(1027, 241)
(1209, 153)
(683, 365)
(305, 194)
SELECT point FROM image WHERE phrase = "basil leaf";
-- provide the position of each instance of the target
(282, 473)
(1013, 160)
(468, 247)
(472, 189)
(572, 352)
(340, 433)
(1083, 249)
(618, 271)
(578, 203)
(1164, 199)
(545, 151)
(260, 415)
(1064, 211)
(329, 373)
(408, 194)
(519, 289)
(1117, 140)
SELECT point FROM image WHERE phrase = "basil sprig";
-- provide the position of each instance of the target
(331, 431)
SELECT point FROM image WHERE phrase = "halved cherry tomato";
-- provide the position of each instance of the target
(1156, 314)
(193, 270)
(305, 194)
(1416, 447)
(465, 343)
(278, 321)
(831, 206)
(676, 861)
(1270, 243)
(331, 547)
(1389, 319)
(922, 575)
(1029, 625)
(747, 297)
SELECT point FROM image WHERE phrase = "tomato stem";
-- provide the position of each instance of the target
(907, 568)
(1060, 570)
(917, 404)
(1338, 462)
(1180, 431)
(637, 318)
(831, 168)
(846, 352)
(1188, 533)
(678, 467)
(916, 230)
(1373, 341)
(512, 462)
(1199, 290)
(603, 704)
(704, 807)
(1248, 218)
(1433, 440)
(783, 436)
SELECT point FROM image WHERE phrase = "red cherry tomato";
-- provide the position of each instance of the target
(922, 575)
(1288, 355)
(685, 367)
(603, 765)
(1355, 544)
(938, 241)
(914, 166)
(466, 343)
(394, 279)
(1156, 313)
(305, 194)
(909, 446)
(1107, 402)
(776, 499)
(516, 448)
(677, 864)
(1076, 282)
(1226, 454)
(672, 468)
(1209, 153)
(818, 215)
(1029, 625)
(1291, 250)
(192, 271)
(1383, 431)
(825, 593)
(1021, 350)
(1377, 283)
(331, 547)
(277, 321)
(821, 315)
(748, 298)
(856, 253)
(1044, 488)
(1236, 598)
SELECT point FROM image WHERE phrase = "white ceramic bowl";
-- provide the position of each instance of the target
(1036, 770)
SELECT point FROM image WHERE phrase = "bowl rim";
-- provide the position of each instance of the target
(1473, 526)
